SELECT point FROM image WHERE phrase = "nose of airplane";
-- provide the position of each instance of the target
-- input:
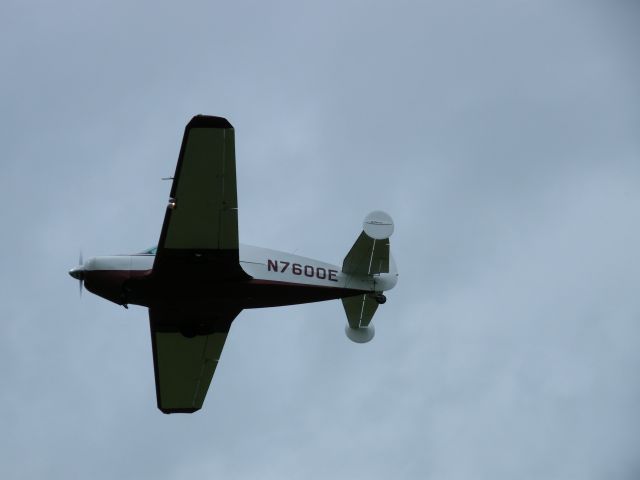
(77, 273)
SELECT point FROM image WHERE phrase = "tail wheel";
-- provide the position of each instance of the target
(380, 298)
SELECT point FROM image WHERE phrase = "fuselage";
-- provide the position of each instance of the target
(275, 278)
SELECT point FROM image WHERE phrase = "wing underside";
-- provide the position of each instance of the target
(186, 349)
(198, 249)
(200, 227)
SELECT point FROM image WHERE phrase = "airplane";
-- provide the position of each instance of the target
(199, 277)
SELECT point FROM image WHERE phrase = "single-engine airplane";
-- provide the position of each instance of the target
(199, 277)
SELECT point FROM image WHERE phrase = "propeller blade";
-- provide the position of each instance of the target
(81, 279)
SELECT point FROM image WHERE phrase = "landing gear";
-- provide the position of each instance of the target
(188, 330)
(380, 298)
(124, 296)
(194, 327)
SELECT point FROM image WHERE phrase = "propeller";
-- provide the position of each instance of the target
(81, 279)
(78, 273)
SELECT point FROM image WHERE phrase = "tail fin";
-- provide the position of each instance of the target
(369, 257)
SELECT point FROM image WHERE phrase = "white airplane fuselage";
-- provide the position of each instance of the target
(275, 278)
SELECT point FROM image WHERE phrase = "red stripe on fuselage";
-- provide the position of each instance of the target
(139, 287)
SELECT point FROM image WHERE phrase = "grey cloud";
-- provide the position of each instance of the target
(502, 138)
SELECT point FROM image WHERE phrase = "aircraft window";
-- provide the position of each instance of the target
(150, 251)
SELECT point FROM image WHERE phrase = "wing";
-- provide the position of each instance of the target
(201, 222)
(186, 351)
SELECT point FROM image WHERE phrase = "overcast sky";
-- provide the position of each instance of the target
(502, 136)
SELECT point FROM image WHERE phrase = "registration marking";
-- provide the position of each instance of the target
(321, 273)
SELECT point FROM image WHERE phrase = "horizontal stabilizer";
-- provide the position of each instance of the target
(359, 310)
(370, 254)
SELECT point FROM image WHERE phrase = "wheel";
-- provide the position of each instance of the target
(188, 331)
(380, 298)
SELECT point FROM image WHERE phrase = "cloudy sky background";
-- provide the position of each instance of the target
(502, 136)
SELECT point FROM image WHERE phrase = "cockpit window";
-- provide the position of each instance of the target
(150, 251)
